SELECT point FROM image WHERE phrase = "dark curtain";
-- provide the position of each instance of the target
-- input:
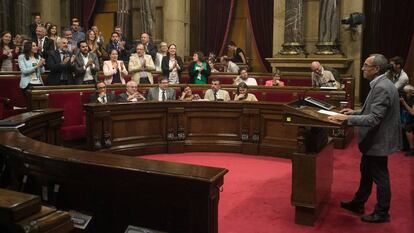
(218, 21)
(388, 28)
(84, 10)
(88, 11)
(409, 61)
(261, 19)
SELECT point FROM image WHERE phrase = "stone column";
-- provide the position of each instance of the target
(50, 10)
(176, 25)
(293, 36)
(22, 17)
(5, 6)
(147, 17)
(123, 17)
(328, 28)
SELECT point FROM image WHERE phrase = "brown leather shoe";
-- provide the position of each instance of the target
(375, 218)
(351, 206)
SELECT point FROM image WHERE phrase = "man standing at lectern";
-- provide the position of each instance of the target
(379, 136)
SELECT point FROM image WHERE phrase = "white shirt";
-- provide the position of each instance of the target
(102, 99)
(88, 74)
(249, 81)
(401, 79)
(232, 67)
(40, 43)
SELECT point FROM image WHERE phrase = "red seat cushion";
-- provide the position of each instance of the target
(319, 96)
(73, 126)
(73, 132)
(299, 82)
(282, 97)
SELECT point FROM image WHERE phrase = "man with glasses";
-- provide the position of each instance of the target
(132, 94)
(100, 95)
(379, 136)
(162, 92)
(322, 77)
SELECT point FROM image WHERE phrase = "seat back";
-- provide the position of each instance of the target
(71, 104)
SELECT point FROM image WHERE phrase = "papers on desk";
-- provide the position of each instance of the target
(328, 88)
(330, 113)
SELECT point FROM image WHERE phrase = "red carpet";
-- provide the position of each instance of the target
(256, 195)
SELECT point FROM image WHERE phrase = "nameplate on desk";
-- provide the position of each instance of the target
(80, 220)
(134, 229)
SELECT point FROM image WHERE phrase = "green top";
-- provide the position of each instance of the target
(200, 79)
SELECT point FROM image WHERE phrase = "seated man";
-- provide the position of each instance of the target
(162, 92)
(244, 78)
(322, 77)
(131, 94)
(229, 66)
(215, 93)
(100, 96)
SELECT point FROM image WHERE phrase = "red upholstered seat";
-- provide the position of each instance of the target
(299, 82)
(184, 78)
(282, 97)
(319, 96)
(258, 94)
(73, 126)
(10, 89)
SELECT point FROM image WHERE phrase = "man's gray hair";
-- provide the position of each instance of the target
(381, 62)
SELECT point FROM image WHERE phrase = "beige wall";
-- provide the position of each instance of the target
(176, 25)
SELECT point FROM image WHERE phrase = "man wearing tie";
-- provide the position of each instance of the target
(150, 48)
(216, 93)
(100, 95)
(43, 42)
(60, 64)
(162, 92)
(114, 43)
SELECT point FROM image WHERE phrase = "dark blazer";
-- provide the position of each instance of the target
(80, 69)
(123, 54)
(48, 47)
(54, 63)
(154, 92)
(194, 73)
(151, 49)
(379, 120)
(166, 68)
(110, 98)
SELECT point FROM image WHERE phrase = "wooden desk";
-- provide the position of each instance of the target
(250, 128)
(117, 190)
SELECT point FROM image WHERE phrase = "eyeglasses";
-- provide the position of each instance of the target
(368, 65)
(101, 87)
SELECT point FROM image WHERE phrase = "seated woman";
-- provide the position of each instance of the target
(187, 94)
(242, 93)
(114, 69)
(198, 70)
(276, 80)
(211, 64)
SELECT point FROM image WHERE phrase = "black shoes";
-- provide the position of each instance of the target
(351, 206)
(375, 218)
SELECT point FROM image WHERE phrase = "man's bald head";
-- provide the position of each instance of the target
(316, 67)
